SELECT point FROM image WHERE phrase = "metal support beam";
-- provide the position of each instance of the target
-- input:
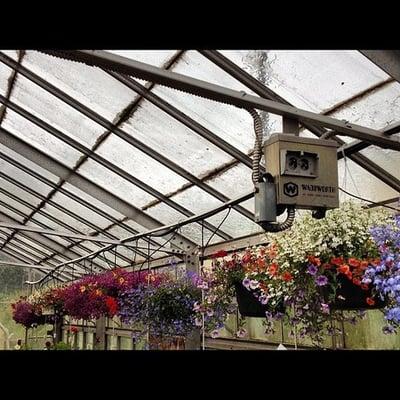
(387, 60)
(211, 91)
(356, 146)
(102, 161)
(63, 191)
(57, 233)
(120, 133)
(263, 91)
(74, 178)
(14, 264)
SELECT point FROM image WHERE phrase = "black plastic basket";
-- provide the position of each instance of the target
(351, 297)
(248, 304)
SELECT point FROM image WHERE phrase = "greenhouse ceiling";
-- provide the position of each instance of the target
(96, 147)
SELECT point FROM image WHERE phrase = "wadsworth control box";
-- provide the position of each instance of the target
(305, 170)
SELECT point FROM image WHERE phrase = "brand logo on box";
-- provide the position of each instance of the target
(290, 189)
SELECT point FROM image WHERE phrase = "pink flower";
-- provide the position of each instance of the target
(241, 333)
(215, 333)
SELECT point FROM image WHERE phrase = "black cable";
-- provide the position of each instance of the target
(368, 201)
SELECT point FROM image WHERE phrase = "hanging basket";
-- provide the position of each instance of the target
(351, 297)
(166, 343)
(248, 304)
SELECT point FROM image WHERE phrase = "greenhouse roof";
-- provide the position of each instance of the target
(94, 154)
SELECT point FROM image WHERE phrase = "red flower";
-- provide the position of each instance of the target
(273, 269)
(370, 301)
(287, 276)
(314, 260)
(356, 281)
(364, 264)
(74, 329)
(353, 262)
(337, 261)
(260, 262)
(344, 269)
(112, 305)
(220, 253)
(326, 266)
(246, 258)
(364, 286)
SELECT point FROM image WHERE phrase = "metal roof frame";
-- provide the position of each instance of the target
(117, 66)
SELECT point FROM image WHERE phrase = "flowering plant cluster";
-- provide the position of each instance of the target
(26, 313)
(217, 284)
(385, 274)
(166, 308)
(304, 269)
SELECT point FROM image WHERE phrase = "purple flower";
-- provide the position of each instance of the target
(263, 299)
(246, 283)
(312, 269)
(321, 280)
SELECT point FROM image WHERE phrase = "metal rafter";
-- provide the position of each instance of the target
(86, 185)
(48, 216)
(65, 192)
(49, 244)
(183, 118)
(211, 91)
(256, 86)
(120, 133)
(356, 146)
(102, 161)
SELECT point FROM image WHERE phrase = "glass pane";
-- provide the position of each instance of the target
(91, 86)
(54, 111)
(140, 165)
(172, 139)
(32, 243)
(114, 183)
(313, 80)
(40, 139)
(4, 199)
(5, 74)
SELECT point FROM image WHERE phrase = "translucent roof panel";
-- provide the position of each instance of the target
(91, 200)
(80, 210)
(114, 183)
(20, 193)
(40, 139)
(91, 86)
(173, 140)
(385, 158)
(140, 165)
(32, 243)
(9, 213)
(232, 124)
(313, 80)
(152, 57)
(358, 181)
(5, 74)
(54, 111)
(234, 182)
(23, 177)
(15, 204)
(376, 110)
(195, 65)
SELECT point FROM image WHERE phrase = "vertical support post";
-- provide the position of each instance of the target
(192, 262)
(290, 125)
(101, 334)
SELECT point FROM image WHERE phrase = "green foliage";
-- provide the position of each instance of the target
(11, 278)
(62, 346)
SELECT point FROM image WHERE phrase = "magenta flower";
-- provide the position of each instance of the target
(312, 269)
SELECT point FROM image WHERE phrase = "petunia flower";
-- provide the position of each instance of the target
(312, 269)
(321, 280)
